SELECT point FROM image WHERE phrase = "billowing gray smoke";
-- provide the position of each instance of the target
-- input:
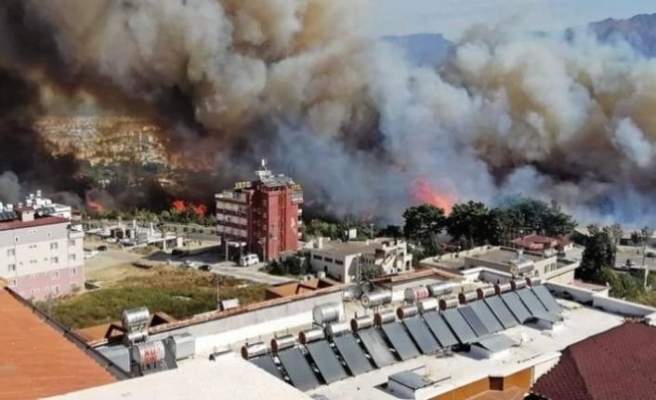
(301, 81)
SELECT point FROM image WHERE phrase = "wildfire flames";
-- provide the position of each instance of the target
(198, 209)
(424, 193)
(94, 205)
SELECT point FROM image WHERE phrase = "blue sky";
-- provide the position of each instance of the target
(452, 17)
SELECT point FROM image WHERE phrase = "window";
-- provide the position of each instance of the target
(327, 259)
(339, 262)
(11, 252)
(13, 283)
(54, 260)
(72, 257)
(55, 289)
(16, 239)
(72, 272)
(33, 261)
(54, 275)
(11, 267)
(32, 246)
(71, 242)
(54, 246)
(317, 257)
(73, 286)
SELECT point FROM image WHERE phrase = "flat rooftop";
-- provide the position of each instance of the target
(505, 256)
(451, 372)
(340, 249)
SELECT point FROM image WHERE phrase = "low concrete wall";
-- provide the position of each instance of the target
(601, 300)
(580, 295)
(236, 329)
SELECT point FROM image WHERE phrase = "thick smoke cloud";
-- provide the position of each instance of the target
(301, 82)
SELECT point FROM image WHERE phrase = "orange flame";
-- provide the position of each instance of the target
(424, 193)
(198, 209)
(94, 205)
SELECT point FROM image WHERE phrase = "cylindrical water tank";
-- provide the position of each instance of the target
(326, 313)
(375, 299)
(428, 305)
(282, 342)
(517, 284)
(503, 288)
(440, 289)
(466, 297)
(311, 335)
(415, 294)
(485, 292)
(135, 319)
(337, 328)
(364, 322)
(533, 281)
(149, 353)
(384, 317)
(254, 350)
(135, 337)
(407, 312)
(445, 304)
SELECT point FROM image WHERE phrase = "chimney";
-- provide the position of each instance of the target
(26, 214)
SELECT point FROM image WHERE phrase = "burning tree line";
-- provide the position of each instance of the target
(181, 211)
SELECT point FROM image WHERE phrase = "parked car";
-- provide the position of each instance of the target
(205, 268)
(101, 248)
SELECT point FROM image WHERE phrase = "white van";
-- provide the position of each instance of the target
(248, 260)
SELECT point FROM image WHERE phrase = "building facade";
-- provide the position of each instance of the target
(344, 261)
(263, 214)
(41, 255)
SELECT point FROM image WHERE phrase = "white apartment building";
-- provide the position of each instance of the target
(344, 260)
(41, 255)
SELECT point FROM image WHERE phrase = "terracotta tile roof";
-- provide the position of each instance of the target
(5, 226)
(617, 364)
(38, 361)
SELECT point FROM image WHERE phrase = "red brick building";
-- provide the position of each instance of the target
(263, 213)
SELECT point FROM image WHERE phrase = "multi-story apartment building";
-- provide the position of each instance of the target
(41, 254)
(263, 213)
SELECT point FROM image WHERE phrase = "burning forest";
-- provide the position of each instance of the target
(304, 83)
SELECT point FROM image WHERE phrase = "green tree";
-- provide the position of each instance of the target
(599, 253)
(616, 233)
(423, 222)
(372, 272)
(539, 216)
(470, 221)
(392, 231)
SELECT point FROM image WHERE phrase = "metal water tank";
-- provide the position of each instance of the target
(428, 305)
(253, 350)
(384, 317)
(282, 343)
(311, 335)
(533, 281)
(467, 297)
(326, 313)
(407, 312)
(446, 304)
(415, 294)
(376, 299)
(364, 322)
(485, 292)
(336, 329)
(517, 284)
(442, 288)
(503, 288)
(135, 319)
(149, 353)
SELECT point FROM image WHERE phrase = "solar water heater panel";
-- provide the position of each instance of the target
(516, 306)
(474, 321)
(459, 326)
(531, 302)
(440, 329)
(376, 346)
(324, 357)
(353, 355)
(298, 369)
(267, 364)
(421, 335)
(489, 320)
(501, 311)
(399, 338)
(547, 299)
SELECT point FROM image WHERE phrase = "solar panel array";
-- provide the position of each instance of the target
(440, 329)
(501, 311)
(324, 357)
(477, 322)
(374, 342)
(8, 216)
(421, 335)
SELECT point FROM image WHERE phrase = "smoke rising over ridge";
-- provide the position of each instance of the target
(303, 83)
